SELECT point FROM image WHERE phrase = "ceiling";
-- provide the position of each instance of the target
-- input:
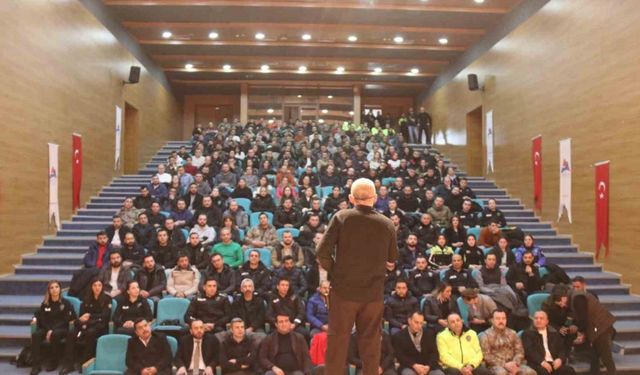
(375, 24)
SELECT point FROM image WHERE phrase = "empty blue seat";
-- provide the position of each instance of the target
(171, 309)
(244, 203)
(110, 356)
(534, 302)
(388, 181)
(464, 311)
(475, 231)
(326, 191)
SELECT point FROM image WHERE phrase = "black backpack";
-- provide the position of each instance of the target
(24, 358)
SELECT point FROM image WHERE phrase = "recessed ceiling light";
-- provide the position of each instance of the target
(188, 66)
(321, 121)
(306, 36)
(325, 111)
(329, 96)
(398, 39)
(259, 36)
(299, 96)
(352, 38)
(270, 121)
(350, 113)
(377, 70)
(443, 40)
(226, 67)
(167, 34)
(479, 1)
(415, 70)
(302, 69)
(340, 69)
(264, 68)
(213, 35)
(270, 110)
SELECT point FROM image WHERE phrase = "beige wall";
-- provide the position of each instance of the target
(569, 71)
(192, 102)
(62, 72)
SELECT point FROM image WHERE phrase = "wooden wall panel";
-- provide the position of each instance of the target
(394, 106)
(569, 71)
(62, 72)
(191, 102)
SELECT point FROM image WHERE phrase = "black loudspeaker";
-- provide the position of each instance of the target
(472, 80)
(134, 74)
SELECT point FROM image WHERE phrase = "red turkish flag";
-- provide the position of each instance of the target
(536, 160)
(602, 207)
(76, 169)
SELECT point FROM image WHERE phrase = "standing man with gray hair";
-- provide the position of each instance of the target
(354, 251)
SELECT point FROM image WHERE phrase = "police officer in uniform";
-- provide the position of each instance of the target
(213, 308)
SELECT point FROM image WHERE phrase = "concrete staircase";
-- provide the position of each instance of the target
(60, 255)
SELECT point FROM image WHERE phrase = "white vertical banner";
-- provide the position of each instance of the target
(54, 207)
(118, 136)
(489, 140)
(565, 178)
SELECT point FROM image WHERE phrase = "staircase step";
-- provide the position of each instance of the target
(62, 249)
(569, 258)
(94, 226)
(621, 303)
(622, 315)
(20, 304)
(92, 218)
(68, 241)
(30, 284)
(627, 331)
(52, 259)
(10, 335)
(598, 278)
(15, 319)
(53, 269)
(97, 212)
(544, 241)
(78, 232)
(611, 290)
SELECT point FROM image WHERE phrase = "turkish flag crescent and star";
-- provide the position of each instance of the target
(602, 207)
(76, 169)
(536, 159)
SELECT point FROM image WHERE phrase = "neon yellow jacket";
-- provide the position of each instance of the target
(457, 352)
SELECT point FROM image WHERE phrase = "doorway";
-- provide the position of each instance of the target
(291, 113)
(474, 142)
(131, 122)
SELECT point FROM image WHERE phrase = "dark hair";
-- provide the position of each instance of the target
(401, 281)
(101, 233)
(115, 252)
(147, 255)
(115, 217)
(579, 279)
(498, 310)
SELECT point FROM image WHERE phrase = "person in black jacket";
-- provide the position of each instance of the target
(492, 213)
(287, 216)
(131, 307)
(472, 254)
(524, 277)
(92, 322)
(151, 279)
(412, 360)
(143, 231)
(147, 352)
(295, 275)
(422, 280)
(163, 251)
(555, 362)
(132, 253)
(52, 325)
(251, 308)
(426, 231)
(213, 308)
(410, 252)
(387, 365)
(197, 252)
(213, 213)
(220, 272)
(286, 302)
(399, 306)
(391, 276)
(195, 346)
(263, 202)
(256, 271)
(438, 305)
(175, 234)
(407, 201)
(118, 228)
(144, 200)
(238, 352)
(459, 277)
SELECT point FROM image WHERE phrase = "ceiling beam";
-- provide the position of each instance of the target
(291, 84)
(308, 73)
(246, 43)
(300, 26)
(383, 6)
(306, 59)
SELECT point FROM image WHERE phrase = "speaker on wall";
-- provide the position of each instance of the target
(134, 74)
(472, 80)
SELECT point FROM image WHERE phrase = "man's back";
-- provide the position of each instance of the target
(365, 240)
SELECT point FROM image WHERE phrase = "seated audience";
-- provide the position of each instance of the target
(287, 216)
(285, 351)
(263, 235)
(131, 307)
(318, 309)
(91, 323)
(295, 276)
(210, 210)
(263, 202)
(197, 353)
(285, 302)
(480, 307)
(440, 254)
(407, 201)
(392, 274)
(422, 280)
(132, 253)
(468, 216)
(144, 232)
(492, 282)
(524, 277)
(456, 234)
(440, 213)
(181, 215)
(163, 251)
(206, 233)
(210, 307)
(490, 235)
(438, 305)
(240, 217)
(156, 218)
(148, 352)
(238, 354)
(250, 307)
(222, 273)
(144, 200)
(544, 348)
(529, 245)
(175, 234)
(193, 198)
(559, 314)
(197, 253)
(399, 307)
(242, 190)
(472, 255)
(459, 277)
(459, 349)
(151, 279)
(504, 256)
(114, 276)
(230, 251)
(116, 232)
(183, 279)
(386, 367)
(502, 348)
(416, 349)
(98, 253)
(491, 213)
(255, 270)
(52, 326)
(426, 231)
(287, 248)
(410, 252)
